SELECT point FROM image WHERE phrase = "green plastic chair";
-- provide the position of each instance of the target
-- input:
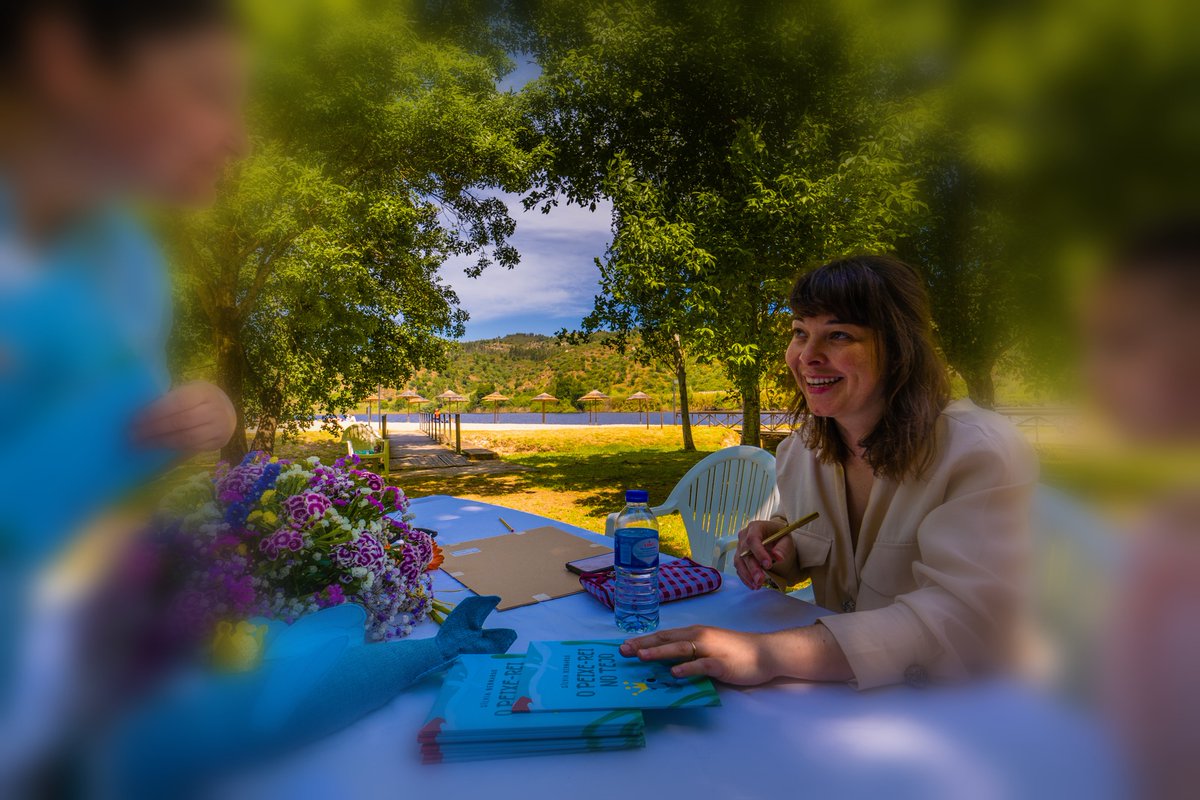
(371, 448)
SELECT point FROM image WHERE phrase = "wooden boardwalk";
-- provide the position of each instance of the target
(415, 450)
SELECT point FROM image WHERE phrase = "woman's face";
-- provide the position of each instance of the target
(837, 367)
(164, 121)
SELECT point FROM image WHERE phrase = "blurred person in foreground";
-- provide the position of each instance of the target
(103, 103)
(922, 539)
(1142, 338)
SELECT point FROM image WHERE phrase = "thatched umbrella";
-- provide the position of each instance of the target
(497, 398)
(544, 398)
(645, 400)
(414, 400)
(407, 393)
(451, 396)
(594, 396)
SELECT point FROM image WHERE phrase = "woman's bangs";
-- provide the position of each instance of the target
(839, 291)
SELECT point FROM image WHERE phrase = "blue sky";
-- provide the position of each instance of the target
(553, 286)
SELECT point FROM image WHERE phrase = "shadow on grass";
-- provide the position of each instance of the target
(599, 480)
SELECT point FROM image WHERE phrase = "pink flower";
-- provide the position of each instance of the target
(373, 481)
(306, 506)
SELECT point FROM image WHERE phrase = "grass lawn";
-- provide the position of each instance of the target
(578, 476)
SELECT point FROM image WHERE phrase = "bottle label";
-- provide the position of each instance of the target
(637, 548)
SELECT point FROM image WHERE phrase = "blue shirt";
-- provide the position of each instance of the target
(83, 325)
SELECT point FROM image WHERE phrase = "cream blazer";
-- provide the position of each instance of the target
(934, 588)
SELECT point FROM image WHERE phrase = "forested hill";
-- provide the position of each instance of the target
(523, 365)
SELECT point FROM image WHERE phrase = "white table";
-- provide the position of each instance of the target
(786, 739)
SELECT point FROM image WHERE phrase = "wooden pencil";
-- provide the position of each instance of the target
(784, 531)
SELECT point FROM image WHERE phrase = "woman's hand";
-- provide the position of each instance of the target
(192, 418)
(747, 659)
(730, 656)
(752, 568)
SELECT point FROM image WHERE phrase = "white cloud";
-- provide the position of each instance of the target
(557, 276)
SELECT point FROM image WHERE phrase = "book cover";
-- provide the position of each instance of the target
(476, 705)
(593, 675)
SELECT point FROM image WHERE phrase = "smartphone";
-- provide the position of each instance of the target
(600, 563)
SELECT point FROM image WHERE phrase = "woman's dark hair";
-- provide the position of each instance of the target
(109, 27)
(887, 296)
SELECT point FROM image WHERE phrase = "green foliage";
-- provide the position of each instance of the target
(733, 142)
(522, 366)
(316, 274)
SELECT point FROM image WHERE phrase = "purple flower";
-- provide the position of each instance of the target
(365, 551)
(282, 539)
(395, 497)
(373, 481)
(238, 482)
(306, 506)
(410, 564)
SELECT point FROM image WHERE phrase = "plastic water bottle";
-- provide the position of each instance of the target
(636, 559)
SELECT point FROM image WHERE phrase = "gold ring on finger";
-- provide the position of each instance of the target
(695, 651)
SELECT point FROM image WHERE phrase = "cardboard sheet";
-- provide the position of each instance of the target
(523, 568)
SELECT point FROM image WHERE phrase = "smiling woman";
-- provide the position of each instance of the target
(864, 363)
(921, 536)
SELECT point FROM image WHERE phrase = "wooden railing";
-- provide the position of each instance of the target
(1062, 421)
(443, 427)
(768, 420)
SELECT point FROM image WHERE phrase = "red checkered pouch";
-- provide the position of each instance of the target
(679, 579)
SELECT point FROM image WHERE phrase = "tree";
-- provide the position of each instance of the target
(723, 134)
(315, 277)
(648, 286)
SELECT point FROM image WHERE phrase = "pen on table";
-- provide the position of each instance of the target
(511, 529)
(784, 531)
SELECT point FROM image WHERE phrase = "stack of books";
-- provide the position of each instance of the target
(559, 697)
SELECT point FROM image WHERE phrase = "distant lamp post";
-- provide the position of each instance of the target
(644, 400)
(544, 398)
(497, 399)
(674, 386)
(591, 398)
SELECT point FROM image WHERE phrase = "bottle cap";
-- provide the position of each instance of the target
(637, 496)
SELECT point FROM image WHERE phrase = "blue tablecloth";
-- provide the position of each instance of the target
(789, 738)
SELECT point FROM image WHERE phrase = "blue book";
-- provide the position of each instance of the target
(593, 675)
(447, 753)
(476, 704)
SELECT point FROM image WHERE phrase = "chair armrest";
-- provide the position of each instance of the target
(610, 522)
(721, 550)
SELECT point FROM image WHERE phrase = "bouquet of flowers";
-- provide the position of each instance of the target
(281, 539)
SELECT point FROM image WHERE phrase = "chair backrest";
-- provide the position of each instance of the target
(361, 437)
(1076, 560)
(721, 494)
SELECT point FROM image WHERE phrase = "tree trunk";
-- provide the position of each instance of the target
(689, 445)
(981, 388)
(264, 435)
(228, 346)
(751, 406)
(271, 403)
